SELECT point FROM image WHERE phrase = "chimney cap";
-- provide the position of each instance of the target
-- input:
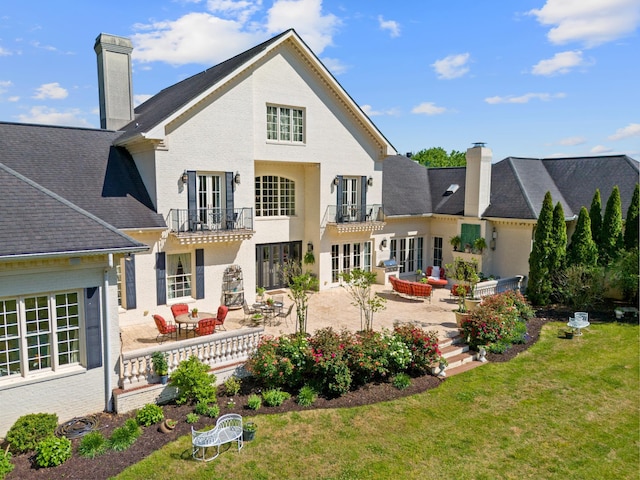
(479, 144)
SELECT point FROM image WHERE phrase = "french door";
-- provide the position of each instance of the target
(209, 200)
(270, 258)
(350, 196)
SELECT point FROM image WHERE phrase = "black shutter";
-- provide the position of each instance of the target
(199, 273)
(339, 199)
(192, 204)
(228, 181)
(161, 278)
(130, 279)
(363, 198)
(92, 330)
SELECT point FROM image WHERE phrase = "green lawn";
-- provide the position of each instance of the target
(566, 409)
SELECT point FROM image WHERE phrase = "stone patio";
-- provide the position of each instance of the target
(327, 308)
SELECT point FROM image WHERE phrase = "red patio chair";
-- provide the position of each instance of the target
(222, 314)
(206, 326)
(164, 329)
(179, 309)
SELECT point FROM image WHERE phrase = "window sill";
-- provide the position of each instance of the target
(19, 381)
(294, 144)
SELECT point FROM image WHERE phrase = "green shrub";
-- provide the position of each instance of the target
(92, 445)
(274, 397)
(53, 451)
(192, 417)
(194, 382)
(5, 463)
(401, 381)
(280, 362)
(149, 414)
(123, 437)
(201, 408)
(29, 430)
(254, 402)
(232, 386)
(213, 411)
(330, 370)
(422, 345)
(307, 396)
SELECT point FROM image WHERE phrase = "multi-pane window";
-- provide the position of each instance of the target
(119, 281)
(349, 256)
(285, 124)
(406, 251)
(437, 251)
(275, 196)
(39, 333)
(179, 275)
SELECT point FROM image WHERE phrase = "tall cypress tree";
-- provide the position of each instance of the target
(631, 227)
(539, 286)
(582, 250)
(558, 250)
(595, 215)
(611, 238)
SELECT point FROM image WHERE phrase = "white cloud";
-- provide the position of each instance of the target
(206, 38)
(592, 22)
(428, 108)
(14, 99)
(51, 90)
(4, 52)
(545, 97)
(598, 149)
(306, 17)
(571, 141)
(139, 99)
(391, 25)
(561, 63)
(368, 109)
(452, 66)
(50, 116)
(631, 130)
(335, 66)
(5, 85)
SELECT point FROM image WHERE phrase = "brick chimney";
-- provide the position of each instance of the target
(114, 80)
(478, 180)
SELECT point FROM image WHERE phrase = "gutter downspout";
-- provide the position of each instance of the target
(106, 340)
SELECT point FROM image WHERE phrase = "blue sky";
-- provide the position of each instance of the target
(531, 78)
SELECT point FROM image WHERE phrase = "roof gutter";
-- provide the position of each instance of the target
(74, 253)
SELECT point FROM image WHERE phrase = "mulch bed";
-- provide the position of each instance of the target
(152, 439)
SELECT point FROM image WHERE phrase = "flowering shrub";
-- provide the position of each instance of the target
(422, 345)
(367, 357)
(498, 322)
(280, 362)
(330, 369)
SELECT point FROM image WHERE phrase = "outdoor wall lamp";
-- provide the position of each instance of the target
(494, 235)
(383, 243)
(236, 179)
(370, 181)
(184, 177)
(336, 181)
(309, 247)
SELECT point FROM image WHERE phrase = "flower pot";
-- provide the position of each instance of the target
(569, 335)
(167, 426)
(460, 317)
(249, 432)
(164, 379)
(471, 304)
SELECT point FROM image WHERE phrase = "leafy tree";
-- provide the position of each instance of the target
(539, 286)
(582, 250)
(631, 224)
(595, 215)
(358, 283)
(300, 285)
(611, 238)
(624, 274)
(438, 157)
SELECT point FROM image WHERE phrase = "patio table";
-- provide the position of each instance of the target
(190, 322)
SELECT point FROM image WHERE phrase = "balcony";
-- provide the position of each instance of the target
(211, 225)
(354, 218)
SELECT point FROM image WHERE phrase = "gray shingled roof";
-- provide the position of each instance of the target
(167, 101)
(518, 185)
(82, 166)
(35, 221)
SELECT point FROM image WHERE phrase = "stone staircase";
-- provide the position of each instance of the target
(458, 356)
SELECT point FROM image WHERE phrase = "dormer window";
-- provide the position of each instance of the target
(285, 124)
(453, 188)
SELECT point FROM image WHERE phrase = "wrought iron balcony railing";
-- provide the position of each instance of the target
(340, 214)
(211, 220)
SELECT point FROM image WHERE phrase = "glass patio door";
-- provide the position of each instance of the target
(210, 201)
(270, 259)
(350, 196)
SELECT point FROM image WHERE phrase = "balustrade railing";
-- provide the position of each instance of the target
(217, 350)
(490, 287)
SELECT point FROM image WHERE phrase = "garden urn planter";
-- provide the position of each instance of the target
(460, 317)
(249, 431)
(167, 426)
(471, 304)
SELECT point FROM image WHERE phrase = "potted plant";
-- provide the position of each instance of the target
(168, 425)
(419, 275)
(461, 313)
(480, 244)
(455, 242)
(160, 366)
(249, 431)
(309, 258)
(260, 291)
(194, 313)
(466, 274)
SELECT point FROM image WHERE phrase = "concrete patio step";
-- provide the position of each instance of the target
(458, 356)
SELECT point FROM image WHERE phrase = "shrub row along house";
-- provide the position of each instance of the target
(253, 162)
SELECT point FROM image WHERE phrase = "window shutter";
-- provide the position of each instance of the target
(363, 198)
(92, 327)
(192, 204)
(228, 181)
(339, 200)
(130, 279)
(161, 278)
(199, 273)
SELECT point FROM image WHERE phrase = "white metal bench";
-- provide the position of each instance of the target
(228, 429)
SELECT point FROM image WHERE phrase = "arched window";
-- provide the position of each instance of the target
(275, 196)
